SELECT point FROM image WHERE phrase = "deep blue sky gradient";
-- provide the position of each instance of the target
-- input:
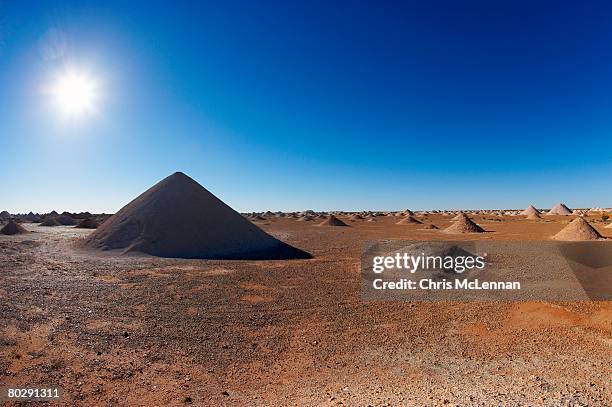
(325, 105)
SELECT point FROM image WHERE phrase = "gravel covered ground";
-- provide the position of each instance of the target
(146, 331)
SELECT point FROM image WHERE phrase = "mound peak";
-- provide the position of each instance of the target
(177, 217)
(464, 225)
(578, 229)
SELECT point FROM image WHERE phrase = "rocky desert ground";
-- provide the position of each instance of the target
(141, 330)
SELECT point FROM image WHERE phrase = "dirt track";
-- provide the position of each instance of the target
(149, 331)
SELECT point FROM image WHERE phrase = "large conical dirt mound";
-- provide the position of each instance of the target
(332, 221)
(531, 210)
(13, 228)
(464, 225)
(560, 209)
(578, 229)
(177, 217)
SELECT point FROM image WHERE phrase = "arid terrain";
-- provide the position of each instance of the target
(135, 330)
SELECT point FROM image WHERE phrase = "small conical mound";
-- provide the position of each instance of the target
(356, 217)
(407, 212)
(431, 226)
(464, 225)
(50, 221)
(177, 217)
(332, 221)
(578, 229)
(88, 223)
(409, 220)
(531, 210)
(559, 209)
(609, 226)
(13, 228)
(534, 216)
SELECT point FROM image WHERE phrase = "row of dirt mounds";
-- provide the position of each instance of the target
(53, 218)
(68, 218)
(178, 218)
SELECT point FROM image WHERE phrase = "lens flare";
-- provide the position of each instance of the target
(75, 94)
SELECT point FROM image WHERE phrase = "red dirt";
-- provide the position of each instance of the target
(125, 330)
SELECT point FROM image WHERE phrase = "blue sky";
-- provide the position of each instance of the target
(322, 105)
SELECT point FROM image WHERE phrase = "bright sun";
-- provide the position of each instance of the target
(75, 94)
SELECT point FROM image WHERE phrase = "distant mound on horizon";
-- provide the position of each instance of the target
(332, 221)
(179, 218)
(409, 220)
(560, 209)
(531, 210)
(50, 221)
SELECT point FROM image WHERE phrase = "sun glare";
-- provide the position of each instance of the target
(75, 94)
